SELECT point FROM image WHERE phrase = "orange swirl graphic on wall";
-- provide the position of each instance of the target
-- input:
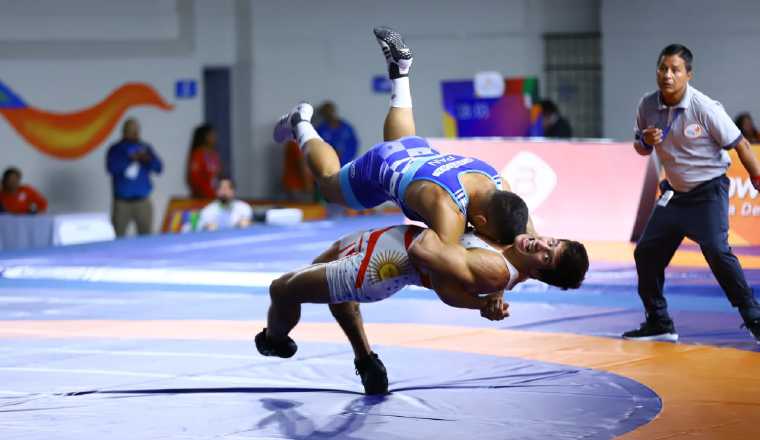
(73, 135)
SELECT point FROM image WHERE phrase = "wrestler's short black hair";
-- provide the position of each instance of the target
(509, 213)
(570, 270)
(680, 50)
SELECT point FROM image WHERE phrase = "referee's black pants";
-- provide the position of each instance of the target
(701, 215)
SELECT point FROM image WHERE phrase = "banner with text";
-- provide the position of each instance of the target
(578, 190)
(743, 203)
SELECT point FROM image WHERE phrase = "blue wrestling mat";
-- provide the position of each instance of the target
(152, 338)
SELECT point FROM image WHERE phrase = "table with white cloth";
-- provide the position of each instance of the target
(19, 232)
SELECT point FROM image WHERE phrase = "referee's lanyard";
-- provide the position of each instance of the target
(667, 191)
(673, 114)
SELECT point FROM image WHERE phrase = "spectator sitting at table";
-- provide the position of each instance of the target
(16, 198)
(225, 212)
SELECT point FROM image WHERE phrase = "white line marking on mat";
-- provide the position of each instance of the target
(142, 276)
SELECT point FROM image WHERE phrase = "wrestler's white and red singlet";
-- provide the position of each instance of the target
(374, 264)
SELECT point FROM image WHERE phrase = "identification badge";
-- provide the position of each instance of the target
(132, 171)
(665, 198)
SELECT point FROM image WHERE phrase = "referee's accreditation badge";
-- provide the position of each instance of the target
(693, 131)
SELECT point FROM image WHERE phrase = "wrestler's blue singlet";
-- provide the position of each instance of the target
(385, 171)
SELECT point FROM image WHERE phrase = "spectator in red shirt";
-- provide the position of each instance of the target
(20, 199)
(296, 177)
(204, 165)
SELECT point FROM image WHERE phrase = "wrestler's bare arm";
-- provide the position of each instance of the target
(434, 204)
(476, 270)
(446, 225)
(452, 293)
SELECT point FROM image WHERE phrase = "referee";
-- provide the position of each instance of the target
(690, 132)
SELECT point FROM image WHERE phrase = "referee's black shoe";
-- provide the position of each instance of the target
(754, 328)
(653, 330)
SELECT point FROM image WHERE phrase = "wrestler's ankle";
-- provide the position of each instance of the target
(360, 355)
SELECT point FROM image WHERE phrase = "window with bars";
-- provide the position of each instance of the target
(573, 75)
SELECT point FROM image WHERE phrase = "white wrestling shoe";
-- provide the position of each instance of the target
(397, 54)
(283, 131)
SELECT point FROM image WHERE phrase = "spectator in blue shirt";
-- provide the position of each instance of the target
(337, 132)
(130, 162)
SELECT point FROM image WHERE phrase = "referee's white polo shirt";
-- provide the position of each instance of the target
(697, 132)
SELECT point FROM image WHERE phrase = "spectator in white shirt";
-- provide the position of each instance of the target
(225, 212)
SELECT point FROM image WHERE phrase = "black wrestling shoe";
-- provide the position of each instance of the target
(754, 329)
(372, 371)
(283, 131)
(397, 53)
(653, 330)
(284, 349)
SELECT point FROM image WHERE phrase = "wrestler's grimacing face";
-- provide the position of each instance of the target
(540, 252)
